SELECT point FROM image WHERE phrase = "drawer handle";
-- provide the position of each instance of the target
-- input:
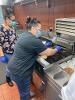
(60, 96)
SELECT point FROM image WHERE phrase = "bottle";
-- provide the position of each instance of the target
(50, 32)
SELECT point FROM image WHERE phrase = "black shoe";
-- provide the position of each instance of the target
(8, 80)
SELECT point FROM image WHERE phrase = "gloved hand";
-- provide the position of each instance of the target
(3, 59)
(58, 48)
(48, 44)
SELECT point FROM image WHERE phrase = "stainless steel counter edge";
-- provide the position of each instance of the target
(47, 65)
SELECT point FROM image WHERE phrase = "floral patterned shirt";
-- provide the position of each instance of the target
(7, 40)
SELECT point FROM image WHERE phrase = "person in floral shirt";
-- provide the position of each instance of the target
(7, 41)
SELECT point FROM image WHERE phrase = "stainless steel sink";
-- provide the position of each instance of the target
(60, 75)
(53, 70)
(61, 78)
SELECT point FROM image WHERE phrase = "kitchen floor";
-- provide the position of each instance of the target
(11, 93)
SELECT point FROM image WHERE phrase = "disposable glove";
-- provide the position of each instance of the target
(58, 48)
(48, 44)
(3, 59)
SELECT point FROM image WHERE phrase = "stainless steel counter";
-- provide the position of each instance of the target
(56, 77)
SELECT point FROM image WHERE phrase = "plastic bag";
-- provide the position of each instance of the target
(68, 91)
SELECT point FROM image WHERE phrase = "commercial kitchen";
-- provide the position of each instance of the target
(54, 75)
